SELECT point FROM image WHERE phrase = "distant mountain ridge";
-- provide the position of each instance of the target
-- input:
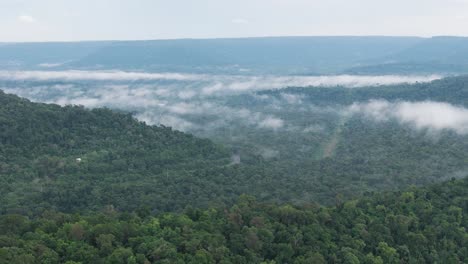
(291, 55)
(271, 55)
(47, 54)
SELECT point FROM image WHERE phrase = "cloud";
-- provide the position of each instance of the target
(173, 121)
(217, 84)
(50, 65)
(427, 115)
(114, 96)
(292, 98)
(314, 129)
(184, 108)
(186, 94)
(26, 19)
(74, 75)
(268, 153)
(271, 122)
(151, 105)
(240, 21)
(348, 80)
(239, 84)
(183, 101)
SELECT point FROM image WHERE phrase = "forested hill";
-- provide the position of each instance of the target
(427, 225)
(148, 194)
(129, 166)
(451, 89)
(122, 160)
(35, 129)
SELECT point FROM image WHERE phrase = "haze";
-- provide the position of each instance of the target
(54, 20)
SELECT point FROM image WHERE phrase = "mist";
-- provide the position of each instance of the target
(190, 85)
(428, 115)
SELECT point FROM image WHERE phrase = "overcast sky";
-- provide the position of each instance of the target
(72, 20)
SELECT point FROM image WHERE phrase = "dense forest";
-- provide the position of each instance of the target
(96, 185)
(70, 158)
(450, 89)
(233, 132)
(426, 225)
(74, 159)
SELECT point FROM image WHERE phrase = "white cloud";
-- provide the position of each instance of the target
(184, 108)
(240, 21)
(115, 96)
(151, 105)
(50, 65)
(186, 94)
(73, 75)
(218, 84)
(268, 153)
(175, 99)
(314, 129)
(26, 19)
(236, 84)
(272, 123)
(292, 98)
(168, 120)
(428, 115)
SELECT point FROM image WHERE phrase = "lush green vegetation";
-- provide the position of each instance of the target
(128, 165)
(332, 153)
(98, 186)
(415, 226)
(124, 164)
(451, 89)
(277, 176)
(70, 158)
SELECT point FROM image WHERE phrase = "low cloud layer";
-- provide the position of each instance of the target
(428, 115)
(154, 105)
(272, 122)
(191, 102)
(208, 85)
(49, 65)
(73, 75)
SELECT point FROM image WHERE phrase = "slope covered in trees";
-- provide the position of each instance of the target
(427, 225)
(130, 166)
(71, 158)
(97, 186)
(451, 90)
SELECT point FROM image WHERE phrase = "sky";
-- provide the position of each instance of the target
(72, 20)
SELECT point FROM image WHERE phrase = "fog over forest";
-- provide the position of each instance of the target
(165, 98)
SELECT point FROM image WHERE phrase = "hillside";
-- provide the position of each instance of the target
(71, 158)
(98, 186)
(451, 90)
(318, 155)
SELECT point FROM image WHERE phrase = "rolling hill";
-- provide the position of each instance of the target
(271, 55)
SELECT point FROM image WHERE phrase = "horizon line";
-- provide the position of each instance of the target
(228, 38)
